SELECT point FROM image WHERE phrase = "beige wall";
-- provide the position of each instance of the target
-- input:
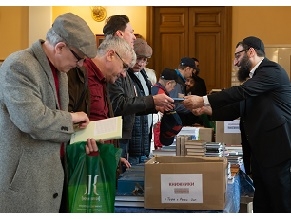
(14, 29)
(270, 23)
(267, 22)
(137, 16)
(38, 30)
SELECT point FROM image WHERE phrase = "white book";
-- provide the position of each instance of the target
(163, 152)
(105, 129)
(129, 198)
(128, 204)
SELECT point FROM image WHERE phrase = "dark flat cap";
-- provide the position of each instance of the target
(141, 48)
(76, 32)
(254, 42)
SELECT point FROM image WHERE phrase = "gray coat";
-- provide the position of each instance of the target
(32, 127)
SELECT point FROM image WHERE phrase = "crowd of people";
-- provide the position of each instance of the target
(65, 80)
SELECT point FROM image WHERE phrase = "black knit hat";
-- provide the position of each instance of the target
(169, 74)
(254, 42)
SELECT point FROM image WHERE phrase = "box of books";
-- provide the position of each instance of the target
(185, 183)
(228, 132)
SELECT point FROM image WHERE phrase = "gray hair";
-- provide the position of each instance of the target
(118, 44)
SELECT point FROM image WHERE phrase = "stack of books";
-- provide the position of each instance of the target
(194, 147)
(165, 151)
(234, 150)
(129, 201)
(234, 159)
(130, 188)
(180, 144)
(214, 149)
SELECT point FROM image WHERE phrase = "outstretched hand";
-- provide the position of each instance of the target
(193, 102)
(202, 110)
(164, 101)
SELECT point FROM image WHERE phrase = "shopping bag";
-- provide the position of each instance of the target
(92, 179)
(171, 125)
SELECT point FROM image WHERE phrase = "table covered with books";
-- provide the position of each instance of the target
(130, 194)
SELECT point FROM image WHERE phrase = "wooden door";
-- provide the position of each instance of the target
(201, 32)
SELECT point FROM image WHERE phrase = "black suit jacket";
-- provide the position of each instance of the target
(229, 113)
(265, 112)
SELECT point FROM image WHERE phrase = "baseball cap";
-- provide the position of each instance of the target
(171, 125)
(169, 74)
(75, 31)
(141, 48)
(188, 62)
(254, 42)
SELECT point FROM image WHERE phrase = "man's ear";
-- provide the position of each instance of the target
(119, 33)
(59, 47)
(110, 54)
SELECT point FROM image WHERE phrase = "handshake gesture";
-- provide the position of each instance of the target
(196, 105)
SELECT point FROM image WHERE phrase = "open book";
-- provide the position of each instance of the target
(103, 129)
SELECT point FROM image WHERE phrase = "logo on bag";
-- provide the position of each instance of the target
(92, 186)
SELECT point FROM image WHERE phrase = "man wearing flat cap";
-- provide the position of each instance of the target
(263, 103)
(140, 142)
(34, 121)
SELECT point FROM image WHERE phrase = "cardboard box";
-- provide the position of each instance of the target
(228, 132)
(187, 183)
(197, 133)
(206, 134)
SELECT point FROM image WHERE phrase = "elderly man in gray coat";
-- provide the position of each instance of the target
(34, 121)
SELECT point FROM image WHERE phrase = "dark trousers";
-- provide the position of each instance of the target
(123, 144)
(272, 188)
(64, 208)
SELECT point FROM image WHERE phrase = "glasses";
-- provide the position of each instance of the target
(77, 56)
(237, 54)
(142, 60)
(125, 66)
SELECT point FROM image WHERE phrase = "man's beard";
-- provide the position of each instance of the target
(244, 70)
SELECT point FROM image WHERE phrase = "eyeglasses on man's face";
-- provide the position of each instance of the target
(142, 60)
(237, 54)
(125, 66)
(77, 56)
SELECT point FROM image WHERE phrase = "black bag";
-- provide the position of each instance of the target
(171, 125)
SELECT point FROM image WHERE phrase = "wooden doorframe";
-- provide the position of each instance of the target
(228, 48)
(227, 51)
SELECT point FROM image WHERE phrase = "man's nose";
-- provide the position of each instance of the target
(235, 62)
(123, 74)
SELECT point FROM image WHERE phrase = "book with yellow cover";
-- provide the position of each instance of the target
(105, 129)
